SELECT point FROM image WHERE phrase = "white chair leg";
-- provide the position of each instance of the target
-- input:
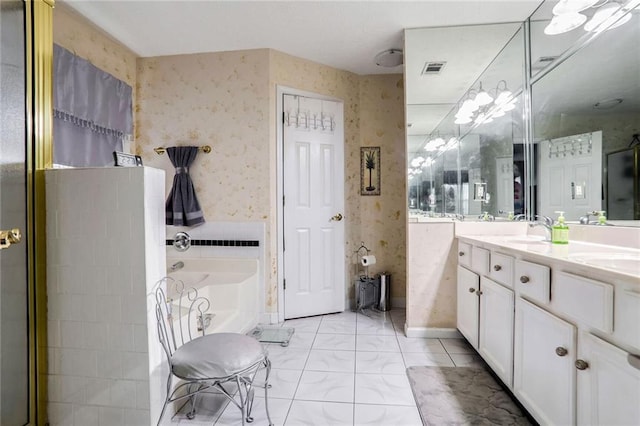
(166, 400)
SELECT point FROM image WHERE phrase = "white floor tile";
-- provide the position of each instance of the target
(376, 415)
(467, 360)
(377, 343)
(301, 340)
(457, 346)
(412, 359)
(345, 316)
(287, 358)
(384, 389)
(380, 363)
(283, 382)
(325, 386)
(337, 327)
(375, 328)
(336, 361)
(278, 409)
(416, 344)
(208, 409)
(341, 342)
(319, 414)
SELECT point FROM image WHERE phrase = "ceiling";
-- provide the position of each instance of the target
(343, 34)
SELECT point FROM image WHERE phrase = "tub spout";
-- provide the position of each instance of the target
(176, 266)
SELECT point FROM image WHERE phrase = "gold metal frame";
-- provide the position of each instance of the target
(39, 149)
(161, 150)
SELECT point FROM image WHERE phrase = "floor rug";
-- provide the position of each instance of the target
(462, 395)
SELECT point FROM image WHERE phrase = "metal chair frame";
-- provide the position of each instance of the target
(171, 339)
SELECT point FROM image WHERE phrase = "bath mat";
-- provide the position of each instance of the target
(462, 395)
(272, 334)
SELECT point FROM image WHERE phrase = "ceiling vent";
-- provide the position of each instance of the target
(431, 68)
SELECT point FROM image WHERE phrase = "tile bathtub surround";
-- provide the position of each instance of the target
(343, 369)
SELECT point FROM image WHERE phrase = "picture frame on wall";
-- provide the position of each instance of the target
(370, 170)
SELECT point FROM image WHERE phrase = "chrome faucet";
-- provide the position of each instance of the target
(585, 220)
(546, 225)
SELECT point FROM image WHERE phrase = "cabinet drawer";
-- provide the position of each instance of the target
(627, 318)
(501, 269)
(480, 260)
(587, 301)
(464, 254)
(532, 280)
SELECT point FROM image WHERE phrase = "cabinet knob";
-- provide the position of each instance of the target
(472, 290)
(560, 351)
(524, 279)
(460, 253)
(497, 267)
(581, 364)
(479, 293)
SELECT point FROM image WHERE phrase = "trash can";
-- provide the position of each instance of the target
(384, 301)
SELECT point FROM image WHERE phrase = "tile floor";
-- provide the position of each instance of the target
(341, 369)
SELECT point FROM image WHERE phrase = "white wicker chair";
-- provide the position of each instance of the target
(205, 362)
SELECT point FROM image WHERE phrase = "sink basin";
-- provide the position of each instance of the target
(625, 262)
(529, 240)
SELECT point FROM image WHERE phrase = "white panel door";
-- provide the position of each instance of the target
(314, 261)
(468, 305)
(569, 174)
(504, 184)
(544, 376)
(608, 383)
(496, 328)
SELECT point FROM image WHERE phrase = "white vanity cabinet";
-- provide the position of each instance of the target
(496, 328)
(544, 355)
(468, 305)
(608, 381)
(563, 337)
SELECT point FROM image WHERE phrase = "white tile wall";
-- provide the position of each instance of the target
(105, 245)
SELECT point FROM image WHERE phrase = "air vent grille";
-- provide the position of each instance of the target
(433, 67)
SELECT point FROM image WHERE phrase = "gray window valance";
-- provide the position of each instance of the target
(92, 111)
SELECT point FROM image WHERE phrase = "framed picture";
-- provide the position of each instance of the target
(370, 170)
(126, 160)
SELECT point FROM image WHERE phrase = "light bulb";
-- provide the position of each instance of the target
(503, 97)
(568, 6)
(469, 106)
(463, 120)
(608, 16)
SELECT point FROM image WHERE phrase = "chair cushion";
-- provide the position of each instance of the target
(215, 356)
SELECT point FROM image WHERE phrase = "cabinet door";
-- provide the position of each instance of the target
(609, 384)
(544, 375)
(496, 328)
(468, 303)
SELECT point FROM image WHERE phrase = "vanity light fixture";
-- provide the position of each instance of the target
(564, 23)
(572, 6)
(482, 98)
(607, 16)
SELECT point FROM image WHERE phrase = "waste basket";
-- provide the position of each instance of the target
(384, 301)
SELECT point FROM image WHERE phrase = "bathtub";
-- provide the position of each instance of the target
(231, 286)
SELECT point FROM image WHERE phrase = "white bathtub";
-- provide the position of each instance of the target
(231, 285)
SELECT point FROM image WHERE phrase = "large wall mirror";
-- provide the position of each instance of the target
(576, 150)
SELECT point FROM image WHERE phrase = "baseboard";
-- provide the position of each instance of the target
(433, 333)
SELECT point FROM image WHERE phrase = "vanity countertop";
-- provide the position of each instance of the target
(623, 262)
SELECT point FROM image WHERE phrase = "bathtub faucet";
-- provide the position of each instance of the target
(176, 266)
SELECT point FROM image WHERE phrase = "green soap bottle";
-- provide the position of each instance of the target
(560, 231)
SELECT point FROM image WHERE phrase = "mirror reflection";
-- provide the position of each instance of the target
(586, 120)
(580, 152)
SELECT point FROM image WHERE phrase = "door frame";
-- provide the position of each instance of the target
(280, 92)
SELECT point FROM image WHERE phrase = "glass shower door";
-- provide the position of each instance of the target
(14, 320)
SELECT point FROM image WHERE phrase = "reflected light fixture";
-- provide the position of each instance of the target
(563, 23)
(482, 98)
(572, 6)
(607, 16)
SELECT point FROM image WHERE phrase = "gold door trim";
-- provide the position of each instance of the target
(39, 94)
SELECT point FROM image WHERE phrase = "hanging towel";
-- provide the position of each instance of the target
(182, 205)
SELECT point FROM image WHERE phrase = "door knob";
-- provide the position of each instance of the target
(524, 279)
(581, 364)
(497, 267)
(472, 290)
(8, 237)
(337, 218)
(560, 351)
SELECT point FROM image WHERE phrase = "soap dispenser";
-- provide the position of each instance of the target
(602, 219)
(560, 231)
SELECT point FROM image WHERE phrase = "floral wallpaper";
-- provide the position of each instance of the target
(227, 100)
